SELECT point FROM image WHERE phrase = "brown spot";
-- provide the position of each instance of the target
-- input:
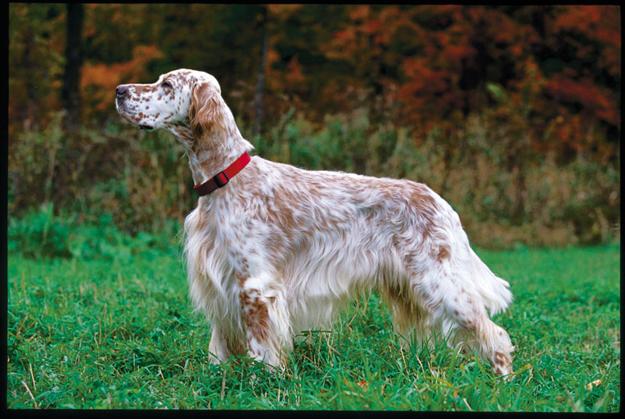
(240, 277)
(244, 299)
(500, 359)
(256, 315)
(443, 253)
(280, 210)
(143, 88)
(422, 200)
(275, 244)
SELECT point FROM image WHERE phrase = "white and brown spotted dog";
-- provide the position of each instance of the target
(279, 250)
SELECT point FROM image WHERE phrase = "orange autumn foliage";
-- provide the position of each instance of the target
(415, 66)
(103, 78)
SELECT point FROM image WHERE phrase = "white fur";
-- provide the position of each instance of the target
(280, 250)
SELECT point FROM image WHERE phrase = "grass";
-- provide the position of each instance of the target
(108, 333)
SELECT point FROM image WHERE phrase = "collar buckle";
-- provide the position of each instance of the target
(221, 179)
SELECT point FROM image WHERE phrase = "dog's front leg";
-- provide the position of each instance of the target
(267, 321)
(217, 348)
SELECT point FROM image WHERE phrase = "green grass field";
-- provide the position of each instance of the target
(122, 334)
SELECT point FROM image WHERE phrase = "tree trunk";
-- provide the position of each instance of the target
(260, 83)
(31, 89)
(70, 93)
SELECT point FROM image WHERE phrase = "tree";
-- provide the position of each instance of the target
(70, 93)
(260, 83)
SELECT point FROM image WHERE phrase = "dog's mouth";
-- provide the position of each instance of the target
(120, 105)
(123, 110)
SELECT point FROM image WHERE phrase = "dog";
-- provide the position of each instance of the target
(272, 250)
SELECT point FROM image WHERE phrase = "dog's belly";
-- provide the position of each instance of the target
(319, 283)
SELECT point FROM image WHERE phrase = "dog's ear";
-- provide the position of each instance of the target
(205, 112)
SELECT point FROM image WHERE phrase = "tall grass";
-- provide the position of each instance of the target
(505, 192)
(40, 233)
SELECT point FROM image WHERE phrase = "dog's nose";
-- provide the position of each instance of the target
(121, 90)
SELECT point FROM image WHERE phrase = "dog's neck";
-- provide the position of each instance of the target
(210, 153)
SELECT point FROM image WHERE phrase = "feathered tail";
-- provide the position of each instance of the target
(495, 291)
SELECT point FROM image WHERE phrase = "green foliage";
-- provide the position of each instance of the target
(138, 178)
(41, 233)
(33, 157)
(342, 143)
(505, 191)
(100, 333)
(498, 93)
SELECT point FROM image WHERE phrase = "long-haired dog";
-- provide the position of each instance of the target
(273, 250)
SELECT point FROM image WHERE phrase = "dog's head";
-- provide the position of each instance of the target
(179, 99)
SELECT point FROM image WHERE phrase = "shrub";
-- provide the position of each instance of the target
(41, 233)
(137, 177)
(485, 165)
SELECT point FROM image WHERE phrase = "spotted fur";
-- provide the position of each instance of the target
(280, 249)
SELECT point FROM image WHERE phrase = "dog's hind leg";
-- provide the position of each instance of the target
(473, 328)
(460, 310)
(409, 318)
(267, 321)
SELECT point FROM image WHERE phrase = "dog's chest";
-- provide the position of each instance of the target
(216, 239)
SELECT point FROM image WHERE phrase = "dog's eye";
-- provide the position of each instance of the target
(166, 85)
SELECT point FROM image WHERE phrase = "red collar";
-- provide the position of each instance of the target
(222, 178)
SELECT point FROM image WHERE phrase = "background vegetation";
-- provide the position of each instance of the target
(511, 113)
